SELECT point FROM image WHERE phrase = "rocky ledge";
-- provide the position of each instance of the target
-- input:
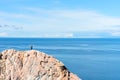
(32, 65)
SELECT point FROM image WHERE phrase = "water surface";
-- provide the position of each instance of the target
(90, 59)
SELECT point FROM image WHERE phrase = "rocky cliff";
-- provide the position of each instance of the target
(32, 65)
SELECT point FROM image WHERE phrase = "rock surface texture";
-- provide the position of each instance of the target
(32, 65)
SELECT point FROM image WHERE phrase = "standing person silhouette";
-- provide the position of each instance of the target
(31, 47)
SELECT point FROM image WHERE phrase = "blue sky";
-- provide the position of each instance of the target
(60, 18)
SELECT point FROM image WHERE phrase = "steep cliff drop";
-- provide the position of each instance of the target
(32, 65)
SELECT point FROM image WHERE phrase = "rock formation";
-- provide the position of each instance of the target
(32, 65)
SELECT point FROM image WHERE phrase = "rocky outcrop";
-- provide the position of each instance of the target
(32, 65)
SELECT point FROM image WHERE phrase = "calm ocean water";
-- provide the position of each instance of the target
(90, 59)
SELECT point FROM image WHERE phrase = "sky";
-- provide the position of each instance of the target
(60, 18)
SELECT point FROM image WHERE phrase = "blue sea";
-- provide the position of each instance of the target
(90, 59)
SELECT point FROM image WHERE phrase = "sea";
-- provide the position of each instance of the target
(89, 58)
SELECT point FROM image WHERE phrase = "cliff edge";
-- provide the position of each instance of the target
(32, 65)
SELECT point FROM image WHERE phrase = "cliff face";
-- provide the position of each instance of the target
(32, 65)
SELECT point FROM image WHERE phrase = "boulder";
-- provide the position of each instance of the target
(32, 65)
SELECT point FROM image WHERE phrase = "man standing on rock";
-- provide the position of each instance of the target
(31, 47)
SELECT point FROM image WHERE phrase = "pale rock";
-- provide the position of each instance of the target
(32, 65)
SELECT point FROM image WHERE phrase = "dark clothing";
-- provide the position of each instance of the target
(31, 47)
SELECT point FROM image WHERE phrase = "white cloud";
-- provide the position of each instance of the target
(58, 21)
(57, 35)
(73, 20)
(115, 33)
(3, 34)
